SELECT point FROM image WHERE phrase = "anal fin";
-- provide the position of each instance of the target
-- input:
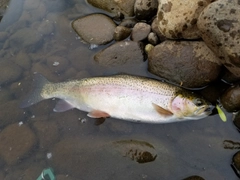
(162, 111)
(98, 114)
(62, 106)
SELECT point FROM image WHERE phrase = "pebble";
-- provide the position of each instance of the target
(121, 33)
(140, 31)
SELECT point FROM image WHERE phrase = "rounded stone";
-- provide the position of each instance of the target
(178, 19)
(95, 28)
(129, 23)
(231, 98)
(187, 63)
(120, 53)
(121, 33)
(140, 31)
(9, 71)
(145, 9)
(219, 25)
(15, 142)
(152, 38)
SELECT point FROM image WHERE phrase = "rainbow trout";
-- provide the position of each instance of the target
(125, 97)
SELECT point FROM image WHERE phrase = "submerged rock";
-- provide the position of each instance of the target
(186, 63)
(95, 28)
(15, 142)
(120, 53)
(231, 98)
(219, 25)
(178, 19)
(145, 9)
(123, 6)
(9, 71)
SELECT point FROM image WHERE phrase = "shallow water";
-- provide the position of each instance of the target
(33, 33)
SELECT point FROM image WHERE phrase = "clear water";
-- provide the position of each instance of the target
(78, 148)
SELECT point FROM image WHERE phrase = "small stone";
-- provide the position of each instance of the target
(121, 33)
(46, 27)
(231, 98)
(120, 53)
(145, 9)
(178, 19)
(148, 48)
(129, 23)
(15, 142)
(152, 38)
(140, 31)
(95, 28)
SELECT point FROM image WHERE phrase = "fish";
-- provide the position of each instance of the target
(126, 97)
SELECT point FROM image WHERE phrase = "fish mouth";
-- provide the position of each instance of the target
(205, 110)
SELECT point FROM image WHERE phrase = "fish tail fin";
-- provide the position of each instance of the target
(39, 81)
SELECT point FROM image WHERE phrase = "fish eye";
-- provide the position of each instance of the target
(198, 102)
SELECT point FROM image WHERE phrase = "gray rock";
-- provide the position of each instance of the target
(46, 27)
(121, 33)
(25, 38)
(219, 25)
(188, 63)
(120, 53)
(178, 19)
(15, 142)
(124, 6)
(145, 9)
(230, 99)
(140, 31)
(152, 38)
(9, 71)
(95, 28)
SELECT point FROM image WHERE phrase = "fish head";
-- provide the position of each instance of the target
(191, 107)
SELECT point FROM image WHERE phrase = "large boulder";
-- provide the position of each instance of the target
(186, 63)
(178, 19)
(219, 25)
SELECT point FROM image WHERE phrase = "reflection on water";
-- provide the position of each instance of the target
(36, 35)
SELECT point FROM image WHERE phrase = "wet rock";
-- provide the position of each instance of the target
(154, 27)
(129, 23)
(121, 33)
(145, 9)
(126, 7)
(25, 38)
(178, 19)
(46, 27)
(9, 71)
(47, 133)
(190, 64)
(140, 31)
(10, 113)
(231, 98)
(5, 95)
(23, 60)
(219, 25)
(236, 163)
(152, 38)
(95, 28)
(228, 77)
(120, 53)
(15, 142)
(57, 64)
(194, 178)
(236, 120)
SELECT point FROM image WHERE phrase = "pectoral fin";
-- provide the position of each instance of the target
(98, 114)
(62, 106)
(161, 110)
